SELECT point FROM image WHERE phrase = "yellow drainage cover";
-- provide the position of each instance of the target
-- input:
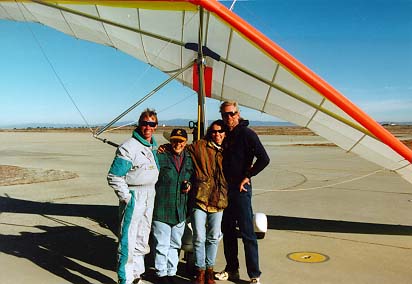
(308, 257)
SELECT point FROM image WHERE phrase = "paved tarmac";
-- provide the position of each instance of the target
(318, 200)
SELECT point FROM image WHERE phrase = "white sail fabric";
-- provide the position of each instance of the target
(156, 34)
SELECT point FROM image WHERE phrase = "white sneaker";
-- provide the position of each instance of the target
(227, 275)
(255, 281)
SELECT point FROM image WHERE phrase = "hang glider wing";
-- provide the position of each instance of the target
(246, 65)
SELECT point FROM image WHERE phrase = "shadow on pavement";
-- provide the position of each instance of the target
(54, 249)
(321, 225)
(60, 249)
(105, 215)
(68, 251)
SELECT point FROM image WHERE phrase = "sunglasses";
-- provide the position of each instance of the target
(229, 113)
(216, 131)
(147, 123)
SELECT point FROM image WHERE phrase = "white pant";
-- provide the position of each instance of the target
(136, 219)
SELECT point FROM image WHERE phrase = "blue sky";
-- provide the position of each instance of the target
(361, 47)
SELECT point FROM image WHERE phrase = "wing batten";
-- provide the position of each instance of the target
(270, 87)
(295, 96)
(4, 13)
(22, 8)
(229, 44)
(315, 113)
(104, 28)
(140, 35)
(356, 143)
(68, 25)
(102, 20)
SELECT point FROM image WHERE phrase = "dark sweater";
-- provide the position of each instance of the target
(242, 145)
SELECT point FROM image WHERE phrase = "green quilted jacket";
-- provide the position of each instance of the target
(170, 203)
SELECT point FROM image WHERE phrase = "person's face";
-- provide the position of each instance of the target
(178, 145)
(147, 127)
(230, 116)
(217, 134)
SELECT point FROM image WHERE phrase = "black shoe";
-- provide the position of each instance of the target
(163, 280)
(172, 279)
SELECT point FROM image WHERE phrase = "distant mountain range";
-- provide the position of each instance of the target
(171, 122)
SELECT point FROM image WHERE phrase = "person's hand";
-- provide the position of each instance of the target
(187, 189)
(246, 180)
(186, 186)
(162, 148)
(126, 198)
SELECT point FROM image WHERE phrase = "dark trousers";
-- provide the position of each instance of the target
(239, 211)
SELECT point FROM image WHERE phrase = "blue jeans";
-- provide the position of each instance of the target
(239, 211)
(206, 236)
(167, 242)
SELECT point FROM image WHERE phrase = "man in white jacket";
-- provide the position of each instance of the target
(133, 175)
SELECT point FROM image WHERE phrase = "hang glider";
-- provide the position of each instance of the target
(231, 61)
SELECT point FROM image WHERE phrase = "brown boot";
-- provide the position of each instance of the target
(200, 277)
(210, 276)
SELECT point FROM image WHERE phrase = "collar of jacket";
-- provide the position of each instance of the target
(139, 138)
(152, 145)
(213, 145)
(242, 124)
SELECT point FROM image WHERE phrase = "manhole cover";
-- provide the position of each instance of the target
(308, 257)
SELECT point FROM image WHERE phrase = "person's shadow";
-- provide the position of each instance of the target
(67, 250)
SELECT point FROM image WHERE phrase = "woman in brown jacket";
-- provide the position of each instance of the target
(209, 199)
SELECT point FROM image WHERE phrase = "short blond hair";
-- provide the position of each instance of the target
(228, 103)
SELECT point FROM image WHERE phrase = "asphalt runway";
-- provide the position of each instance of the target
(332, 217)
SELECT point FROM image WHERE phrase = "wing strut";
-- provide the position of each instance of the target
(155, 90)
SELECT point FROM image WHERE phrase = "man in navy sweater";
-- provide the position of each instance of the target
(241, 146)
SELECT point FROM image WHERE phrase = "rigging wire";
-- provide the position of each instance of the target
(178, 102)
(54, 71)
(155, 90)
(160, 111)
(150, 65)
(232, 5)
(68, 94)
(121, 126)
